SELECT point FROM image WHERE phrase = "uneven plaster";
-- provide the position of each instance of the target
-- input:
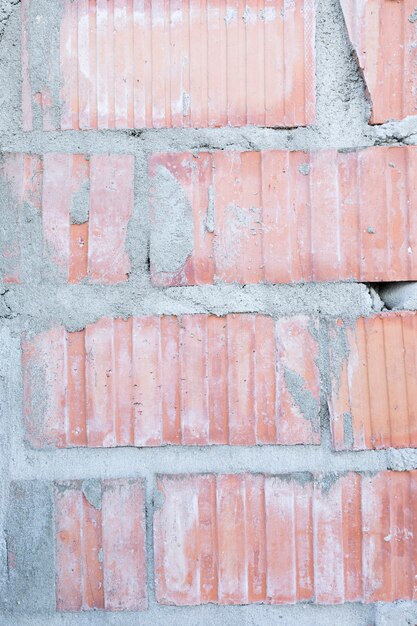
(45, 301)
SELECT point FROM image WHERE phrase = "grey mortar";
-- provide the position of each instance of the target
(45, 300)
(171, 238)
(80, 204)
(92, 491)
(43, 35)
(302, 396)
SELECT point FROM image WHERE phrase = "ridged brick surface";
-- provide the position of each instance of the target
(327, 539)
(384, 36)
(150, 381)
(134, 64)
(100, 545)
(59, 188)
(285, 217)
(374, 382)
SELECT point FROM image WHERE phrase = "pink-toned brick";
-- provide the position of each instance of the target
(284, 217)
(134, 64)
(100, 545)
(326, 539)
(373, 402)
(384, 36)
(195, 380)
(63, 190)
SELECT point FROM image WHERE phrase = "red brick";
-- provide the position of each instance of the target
(384, 36)
(195, 380)
(51, 184)
(287, 217)
(373, 402)
(324, 539)
(134, 64)
(100, 545)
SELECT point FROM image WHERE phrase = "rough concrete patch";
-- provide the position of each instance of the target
(44, 23)
(327, 480)
(301, 478)
(30, 548)
(342, 105)
(80, 204)
(304, 169)
(210, 223)
(6, 9)
(401, 460)
(172, 227)
(301, 614)
(413, 17)
(307, 403)
(9, 228)
(37, 403)
(348, 430)
(396, 614)
(339, 348)
(92, 490)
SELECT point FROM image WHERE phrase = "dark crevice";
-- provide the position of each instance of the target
(5, 309)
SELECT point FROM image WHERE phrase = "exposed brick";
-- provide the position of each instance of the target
(100, 545)
(150, 381)
(133, 64)
(285, 217)
(84, 205)
(374, 382)
(327, 539)
(384, 36)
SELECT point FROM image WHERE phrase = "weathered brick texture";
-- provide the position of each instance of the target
(174, 196)
(82, 205)
(134, 64)
(374, 392)
(327, 539)
(100, 545)
(76, 545)
(150, 381)
(284, 217)
(384, 37)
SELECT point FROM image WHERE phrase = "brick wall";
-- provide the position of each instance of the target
(208, 341)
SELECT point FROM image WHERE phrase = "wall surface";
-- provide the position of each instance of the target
(207, 413)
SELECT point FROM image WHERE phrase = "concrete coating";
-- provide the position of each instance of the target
(45, 301)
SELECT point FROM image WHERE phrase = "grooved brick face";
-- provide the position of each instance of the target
(327, 539)
(150, 381)
(79, 208)
(284, 217)
(384, 36)
(134, 64)
(100, 545)
(374, 382)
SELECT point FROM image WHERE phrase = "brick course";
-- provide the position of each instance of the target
(194, 380)
(327, 539)
(288, 217)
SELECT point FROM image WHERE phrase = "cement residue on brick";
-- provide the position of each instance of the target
(303, 398)
(80, 204)
(92, 491)
(43, 26)
(172, 231)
